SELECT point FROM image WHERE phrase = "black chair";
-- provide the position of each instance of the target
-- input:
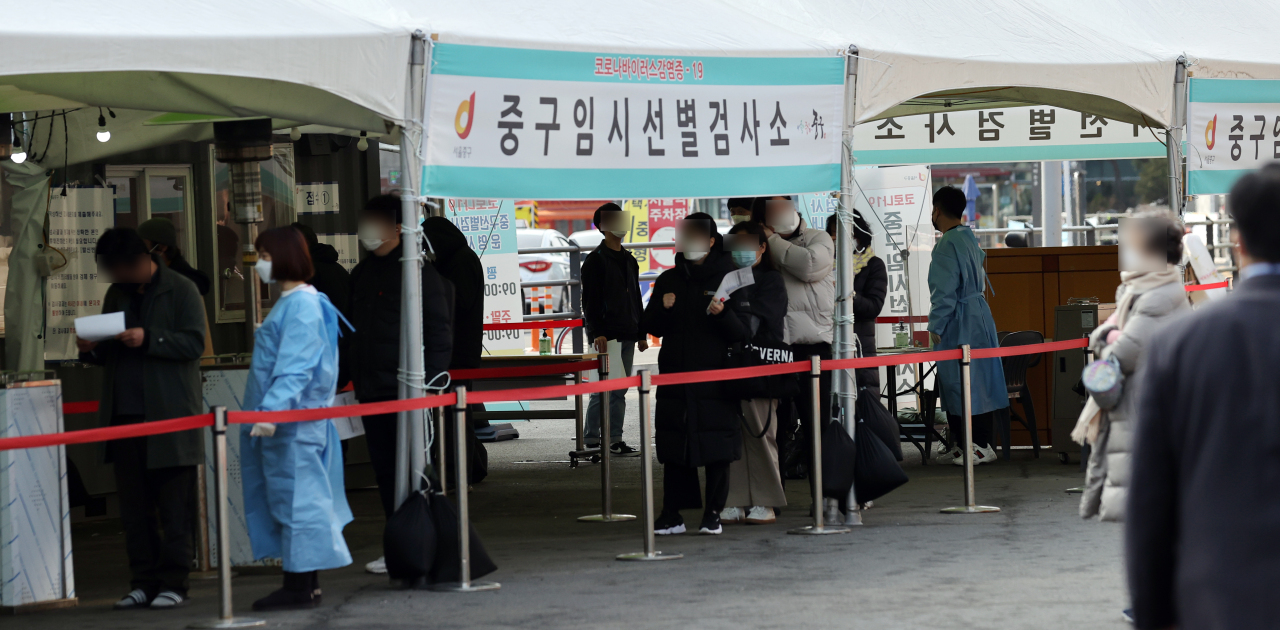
(1015, 380)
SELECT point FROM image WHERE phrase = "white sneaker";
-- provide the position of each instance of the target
(731, 515)
(981, 455)
(377, 567)
(950, 456)
(759, 515)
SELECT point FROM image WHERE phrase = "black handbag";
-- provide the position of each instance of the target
(875, 471)
(409, 539)
(756, 353)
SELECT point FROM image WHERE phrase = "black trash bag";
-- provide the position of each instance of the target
(409, 540)
(878, 419)
(447, 567)
(838, 453)
(875, 472)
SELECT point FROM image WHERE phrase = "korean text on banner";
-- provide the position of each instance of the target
(1233, 127)
(490, 228)
(509, 122)
(1011, 134)
(663, 215)
(75, 223)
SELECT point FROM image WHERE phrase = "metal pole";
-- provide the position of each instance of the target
(464, 585)
(225, 618)
(441, 466)
(578, 413)
(646, 479)
(970, 504)
(845, 382)
(1051, 203)
(1173, 137)
(252, 288)
(410, 453)
(815, 472)
(606, 514)
(575, 297)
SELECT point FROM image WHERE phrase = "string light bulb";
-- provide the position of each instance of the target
(295, 134)
(103, 134)
(19, 156)
(363, 144)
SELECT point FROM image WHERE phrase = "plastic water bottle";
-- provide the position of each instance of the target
(900, 337)
(544, 344)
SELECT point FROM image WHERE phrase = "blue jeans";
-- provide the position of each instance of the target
(617, 403)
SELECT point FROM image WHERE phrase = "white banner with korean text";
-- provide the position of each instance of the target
(1233, 127)
(490, 228)
(1012, 134)
(75, 223)
(513, 123)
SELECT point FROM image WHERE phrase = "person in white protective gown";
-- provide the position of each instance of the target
(959, 315)
(294, 501)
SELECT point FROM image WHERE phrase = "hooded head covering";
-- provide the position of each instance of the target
(446, 239)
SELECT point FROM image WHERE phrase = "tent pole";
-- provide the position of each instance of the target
(1051, 203)
(844, 381)
(411, 456)
(1173, 137)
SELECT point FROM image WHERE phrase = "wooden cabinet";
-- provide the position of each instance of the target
(1026, 285)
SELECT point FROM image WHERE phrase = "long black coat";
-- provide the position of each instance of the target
(1203, 508)
(459, 264)
(871, 285)
(694, 424)
(173, 316)
(374, 349)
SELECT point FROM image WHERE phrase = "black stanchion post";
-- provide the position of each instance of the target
(464, 585)
(606, 514)
(819, 527)
(646, 479)
(225, 617)
(970, 503)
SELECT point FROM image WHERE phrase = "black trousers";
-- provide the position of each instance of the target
(157, 507)
(380, 436)
(680, 487)
(982, 428)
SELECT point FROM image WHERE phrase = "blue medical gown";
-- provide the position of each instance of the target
(294, 500)
(959, 315)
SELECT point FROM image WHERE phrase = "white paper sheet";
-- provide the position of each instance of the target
(733, 281)
(347, 427)
(100, 327)
(614, 349)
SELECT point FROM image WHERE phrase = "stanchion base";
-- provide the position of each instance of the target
(810, 530)
(234, 622)
(966, 509)
(459, 587)
(1076, 490)
(607, 518)
(641, 556)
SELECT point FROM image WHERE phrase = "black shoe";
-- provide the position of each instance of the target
(298, 593)
(621, 449)
(668, 524)
(711, 524)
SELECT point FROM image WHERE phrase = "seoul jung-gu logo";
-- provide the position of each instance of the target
(1211, 133)
(466, 108)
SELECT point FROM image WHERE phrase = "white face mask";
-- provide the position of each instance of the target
(370, 236)
(619, 233)
(263, 267)
(787, 223)
(740, 218)
(695, 256)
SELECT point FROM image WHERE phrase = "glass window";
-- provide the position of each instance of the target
(169, 200)
(277, 210)
(126, 200)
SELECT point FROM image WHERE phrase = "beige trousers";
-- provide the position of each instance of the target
(755, 479)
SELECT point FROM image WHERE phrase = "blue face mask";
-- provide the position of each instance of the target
(743, 258)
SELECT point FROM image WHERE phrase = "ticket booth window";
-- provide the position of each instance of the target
(229, 237)
(140, 193)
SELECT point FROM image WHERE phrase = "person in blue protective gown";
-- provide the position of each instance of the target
(958, 315)
(294, 502)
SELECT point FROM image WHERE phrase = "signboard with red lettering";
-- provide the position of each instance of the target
(663, 215)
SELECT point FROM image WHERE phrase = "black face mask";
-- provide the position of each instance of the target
(933, 218)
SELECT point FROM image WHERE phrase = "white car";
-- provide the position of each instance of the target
(540, 267)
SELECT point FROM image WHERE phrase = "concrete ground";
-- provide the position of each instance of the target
(1033, 565)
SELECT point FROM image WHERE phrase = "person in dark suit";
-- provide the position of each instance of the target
(1203, 507)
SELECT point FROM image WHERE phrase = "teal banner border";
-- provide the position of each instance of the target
(561, 65)
(1213, 182)
(625, 183)
(1233, 91)
(972, 155)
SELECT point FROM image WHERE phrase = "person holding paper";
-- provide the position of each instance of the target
(611, 311)
(696, 425)
(152, 373)
(295, 503)
(959, 314)
(755, 312)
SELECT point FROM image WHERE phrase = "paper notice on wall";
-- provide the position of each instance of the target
(489, 226)
(347, 245)
(316, 198)
(75, 223)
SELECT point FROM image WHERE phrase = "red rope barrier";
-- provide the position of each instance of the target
(530, 393)
(88, 406)
(546, 323)
(1205, 287)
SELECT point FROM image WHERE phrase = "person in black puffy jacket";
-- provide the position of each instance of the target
(756, 312)
(870, 286)
(696, 424)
